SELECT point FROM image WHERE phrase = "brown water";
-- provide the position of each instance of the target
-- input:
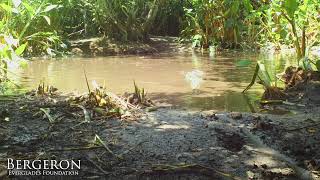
(163, 77)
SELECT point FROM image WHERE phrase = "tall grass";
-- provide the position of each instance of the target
(125, 20)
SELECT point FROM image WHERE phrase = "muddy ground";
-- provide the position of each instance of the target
(163, 144)
(106, 47)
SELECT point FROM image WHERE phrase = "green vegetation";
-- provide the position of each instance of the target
(233, 23)
(44, 25)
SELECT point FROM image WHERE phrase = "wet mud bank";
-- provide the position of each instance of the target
(109, 47)
(160, 142)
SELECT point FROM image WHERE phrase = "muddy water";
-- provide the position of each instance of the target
(163, 77)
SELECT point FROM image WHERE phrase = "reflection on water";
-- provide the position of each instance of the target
(163, 77)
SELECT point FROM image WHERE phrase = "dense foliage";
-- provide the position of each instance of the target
(228, 23)
(251, 23)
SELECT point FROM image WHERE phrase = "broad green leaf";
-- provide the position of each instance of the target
(291, 6)
(266, 77)
(247, 5)
(21, 49)
(243, 63)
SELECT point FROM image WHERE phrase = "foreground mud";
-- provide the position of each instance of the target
(162, 144)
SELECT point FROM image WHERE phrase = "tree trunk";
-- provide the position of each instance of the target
(303, 42)
(296, 39)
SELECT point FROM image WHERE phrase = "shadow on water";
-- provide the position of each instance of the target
(227, 101)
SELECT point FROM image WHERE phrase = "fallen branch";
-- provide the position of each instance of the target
(124, 105)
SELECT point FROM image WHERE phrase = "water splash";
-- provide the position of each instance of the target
(194, 78)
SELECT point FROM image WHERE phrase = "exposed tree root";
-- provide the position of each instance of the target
(273, 93)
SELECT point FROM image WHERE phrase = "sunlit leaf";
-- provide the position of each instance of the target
(49, 8)
(30, 9)
(265, 75)
(21, 49)
(47, 19)
(16, 3)
(6, 7)
(197, 37)
(15, 10)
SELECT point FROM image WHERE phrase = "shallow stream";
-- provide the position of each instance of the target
(164, 77)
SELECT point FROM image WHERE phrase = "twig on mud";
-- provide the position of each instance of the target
(47, 113)
(299, 128)
(97, 140)
(69, 113)
(86, 115)
(97, 166)
(200, 168)
(89, 91)
(85, 76)
(85, 112)
(79, 124)
(77, 148)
